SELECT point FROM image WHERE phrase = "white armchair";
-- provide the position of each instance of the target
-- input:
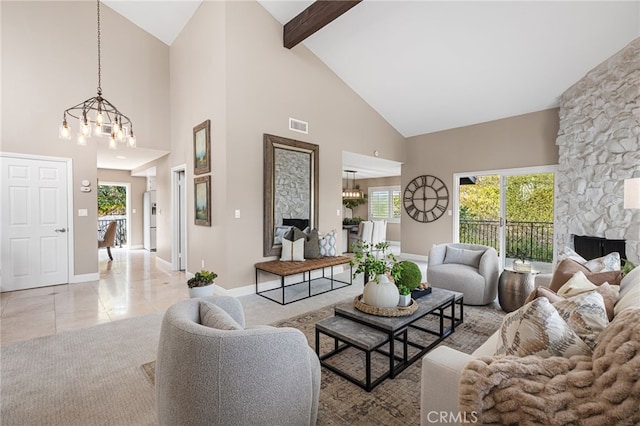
(256, 375)
(471, 269)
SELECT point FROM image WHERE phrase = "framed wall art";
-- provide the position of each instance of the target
(202, 197)
(202, 148)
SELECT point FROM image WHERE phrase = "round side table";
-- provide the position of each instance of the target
(514, 287)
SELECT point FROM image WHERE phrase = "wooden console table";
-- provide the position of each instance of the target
(306, 267)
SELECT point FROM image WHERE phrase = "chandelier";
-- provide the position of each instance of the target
(98, 115)
(353, 193)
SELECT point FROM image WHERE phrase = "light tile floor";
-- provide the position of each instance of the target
(133, 284)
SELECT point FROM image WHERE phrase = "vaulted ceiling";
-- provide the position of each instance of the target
(427, 66)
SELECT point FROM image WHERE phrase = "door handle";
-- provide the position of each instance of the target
(61, 230)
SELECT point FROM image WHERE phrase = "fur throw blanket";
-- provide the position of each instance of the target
(603, 389)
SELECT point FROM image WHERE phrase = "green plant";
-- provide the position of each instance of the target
(353, 203)
(373, 260)
(352, 220)
(627, 267)
(201, 279)
(410, 277)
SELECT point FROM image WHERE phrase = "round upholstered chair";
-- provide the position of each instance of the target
(471, 269)
(232, 375)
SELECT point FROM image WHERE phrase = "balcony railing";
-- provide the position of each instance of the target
(121, 229)
(535, 239)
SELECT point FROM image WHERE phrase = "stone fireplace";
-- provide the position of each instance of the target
(599, 147)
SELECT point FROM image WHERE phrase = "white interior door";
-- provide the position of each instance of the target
(34, 223)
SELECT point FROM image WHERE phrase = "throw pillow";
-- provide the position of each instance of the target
(328, 244)
(585, 314)
(537, 329)
(580, 284)
(567, 268)
(215, 317)
(609, 262)
(630, 280)
(292, 250)
(311, 243)
(543, 292)
(463, 256)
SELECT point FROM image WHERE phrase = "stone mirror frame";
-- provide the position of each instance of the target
(290, 188)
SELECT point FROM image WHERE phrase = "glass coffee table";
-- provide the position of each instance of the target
(351, 328)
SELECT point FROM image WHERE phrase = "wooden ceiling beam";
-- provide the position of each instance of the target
(313, 18)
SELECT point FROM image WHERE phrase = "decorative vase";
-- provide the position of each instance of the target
(405, 300)
(203, 291)
(381, 294)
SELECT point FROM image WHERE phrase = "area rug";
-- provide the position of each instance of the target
(393, 402)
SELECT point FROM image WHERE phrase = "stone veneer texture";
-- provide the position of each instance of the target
(292, 185)
(599, 147)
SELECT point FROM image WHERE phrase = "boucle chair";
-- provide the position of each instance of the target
(257, 375)
(471, 269)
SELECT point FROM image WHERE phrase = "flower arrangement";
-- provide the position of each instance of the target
(202, 279)
(373, 260)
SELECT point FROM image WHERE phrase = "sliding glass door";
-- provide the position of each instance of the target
(511, 211)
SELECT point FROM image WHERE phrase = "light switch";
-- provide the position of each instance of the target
(337, 212)
(237, 214)
(83, 212)
(133, 211)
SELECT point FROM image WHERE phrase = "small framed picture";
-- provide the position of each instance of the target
(202, 148)
(202, 197)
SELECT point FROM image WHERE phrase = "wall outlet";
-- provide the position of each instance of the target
(83, 212)
(133, 211)
(202, 263)
(237, 213)
(338, 212)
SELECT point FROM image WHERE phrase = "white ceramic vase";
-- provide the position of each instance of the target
(381, 294)
(204, 291)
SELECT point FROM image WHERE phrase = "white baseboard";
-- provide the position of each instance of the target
(84, 278)
(165, 264)
(136, 247)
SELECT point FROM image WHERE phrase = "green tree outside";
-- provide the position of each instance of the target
(112, 200)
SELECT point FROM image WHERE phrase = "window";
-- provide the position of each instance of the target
(384, 203)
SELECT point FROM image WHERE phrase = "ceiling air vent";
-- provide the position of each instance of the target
(298, 126)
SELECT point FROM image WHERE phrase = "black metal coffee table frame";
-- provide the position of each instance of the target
(395, 329)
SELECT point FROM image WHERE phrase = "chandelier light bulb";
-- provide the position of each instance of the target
(132, 140)
(85, 129)
(112, 142)
(64, 131)
(120, 135)
(100, 118)
(82, 140)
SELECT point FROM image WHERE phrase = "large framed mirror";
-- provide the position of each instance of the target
(290, 189)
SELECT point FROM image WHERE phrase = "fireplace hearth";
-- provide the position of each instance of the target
(593, 247)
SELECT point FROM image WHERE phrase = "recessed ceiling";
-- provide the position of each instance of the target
(125, 158)
(369, 167)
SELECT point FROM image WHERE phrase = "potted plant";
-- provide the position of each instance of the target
(520, 264)
(409, 280)
(377, 265)
(201, 284)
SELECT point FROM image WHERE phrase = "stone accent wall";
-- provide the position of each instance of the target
(599, 147)
(292, 185)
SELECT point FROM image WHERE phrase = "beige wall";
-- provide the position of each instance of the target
(248, 85)
(522, 141)
(393, 229)
(49, 64)
(138, 185)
